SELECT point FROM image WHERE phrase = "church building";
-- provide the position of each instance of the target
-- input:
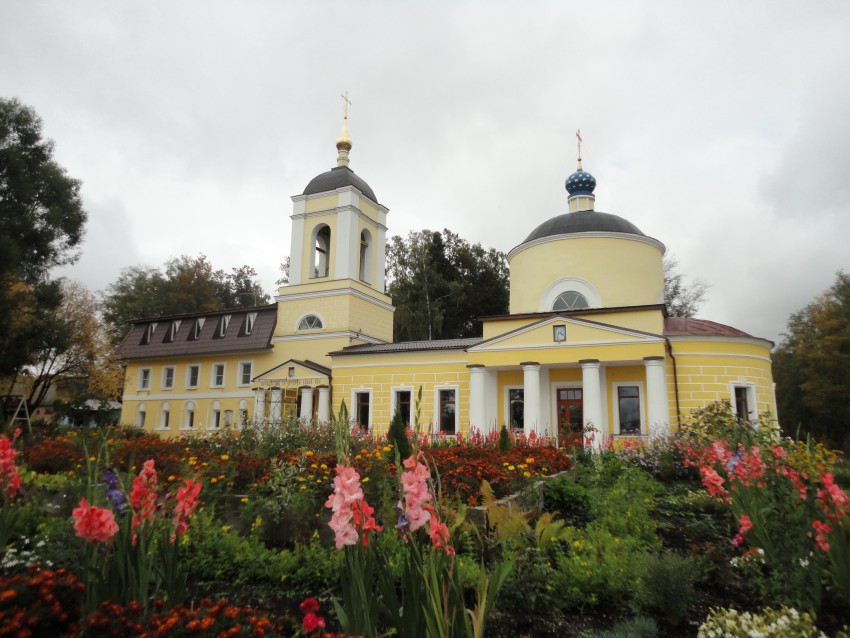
(587, 344)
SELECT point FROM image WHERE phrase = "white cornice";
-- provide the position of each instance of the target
(755, 341)
(187, 396)
(343, 189)
(339, 334)
(348, 208)
(728, 355)
(593, 234)
(317, 294)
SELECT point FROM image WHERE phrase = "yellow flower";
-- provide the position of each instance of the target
(511, 467)
(526, 474)
(244, 499)
(386, 448)
(308, 453)
(91, 458)
(213, 480)
(303, 487)
(365, 479)
(225, 457)
(319, 481)
(225, 528)
(314, 466)
(323, 466)
(301, 479)
(171, 477)
(529, 460)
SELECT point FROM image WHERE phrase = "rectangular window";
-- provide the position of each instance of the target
(228, 418)
(516, 408)
(362, 409)
(190, 418)
(168, 377)
(216, 419)
(448, 415)
(628, 405)
(402, 404)
(218, 375)
(145, 379)
(166, 417)
(193, 373)
(245, 373)
(243, 417)
(745, 402)
(140, 419)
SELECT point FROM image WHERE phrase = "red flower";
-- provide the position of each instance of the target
(94, 524)
(187, 501)
(312, 622)
(309, 605)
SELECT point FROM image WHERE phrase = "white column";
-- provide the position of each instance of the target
(324, 414)
(259, 406)
(531, 396)
(275, 407)
(306, 403)
(657, 405)
(591, 392)
(477, 398)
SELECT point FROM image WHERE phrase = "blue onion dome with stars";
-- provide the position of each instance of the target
(580, 183)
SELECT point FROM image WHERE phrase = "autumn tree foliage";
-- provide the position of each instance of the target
(811, 368)
(183, 284)
(682, 297)
(441, 284)
(41, 226)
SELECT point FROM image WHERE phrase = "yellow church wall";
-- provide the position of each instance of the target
(382, 373)
(367, 209)
(624, 272)
(568, 354)
(319, 204)
(624, 374)
(651, 321)
(204, 395)
(707, 371)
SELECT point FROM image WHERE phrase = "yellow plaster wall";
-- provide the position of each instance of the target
(318, 204)
(651, 321)
(705, 377)
(340, 311)
(567, 354)
(624, 272)
(381, 373)
(623, 374)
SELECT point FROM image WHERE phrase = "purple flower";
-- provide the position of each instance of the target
(110, 479)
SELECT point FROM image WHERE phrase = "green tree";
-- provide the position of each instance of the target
(682, 298)
(41, 225)
(811, 368)
(440, 285)
(184, 284)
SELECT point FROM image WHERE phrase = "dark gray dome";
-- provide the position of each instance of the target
(586, 221)
(337, 178)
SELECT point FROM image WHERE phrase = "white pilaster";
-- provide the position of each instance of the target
(477, 398)
(259, 406)
(347, 243)
(324, 413)
(275, 407)
(306, 403)
(531, 396)
(592, 397)
(296, 252)
(657, 405)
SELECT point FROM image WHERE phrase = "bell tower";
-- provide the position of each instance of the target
(337, 261)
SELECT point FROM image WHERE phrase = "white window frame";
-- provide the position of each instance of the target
(189, 367)
(164, 385)
(506, 401)
(750, 387)
(215, 365)
(141, 416)
(298, 327)
(437, 416)
(565, 385)
(163, 410)
(243, 412)
(615, 404)
(370, 392)
(250, 320)
(394, 401)
(145, 379)
(215, 409)
(239, 369)
(188, 406)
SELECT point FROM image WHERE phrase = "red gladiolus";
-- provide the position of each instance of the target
(94, 524)
(10, 477)
(309, 605)
(821, 529)
(187, 501)
(143, 495)
(312, 622)
(746, 525)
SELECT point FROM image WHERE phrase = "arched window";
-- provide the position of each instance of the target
(365, 256)
(140, 415)
(165, 416)
(321, 250)
(570, 300)
(310, 322)
(189, 414)
(215, 415)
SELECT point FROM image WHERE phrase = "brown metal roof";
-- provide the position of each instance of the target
(208, 339)
(685, 327)
(409, 346)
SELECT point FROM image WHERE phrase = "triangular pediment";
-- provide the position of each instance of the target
(294, 373)
(561, 331)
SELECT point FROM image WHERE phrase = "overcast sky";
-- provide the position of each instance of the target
(721, 129)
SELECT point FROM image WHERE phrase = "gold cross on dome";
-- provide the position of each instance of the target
(578, 135)
(347, 103)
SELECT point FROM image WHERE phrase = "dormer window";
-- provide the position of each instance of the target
(148, 334)
(195, 332)
(171, 335)
(248, 326)
(221, 328)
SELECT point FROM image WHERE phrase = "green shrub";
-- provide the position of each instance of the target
(639, 627)
(531, 591)
(564, 495)
(504, 439)
(668, 590)
(397, 436)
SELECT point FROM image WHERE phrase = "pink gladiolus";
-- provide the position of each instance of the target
(713, 483)
(438, 532)
(746, 525)
(143, 496)
(94, 524)
(10, 477)
(414, 484)
(350, 509)
(821, 529)
(187, 501)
